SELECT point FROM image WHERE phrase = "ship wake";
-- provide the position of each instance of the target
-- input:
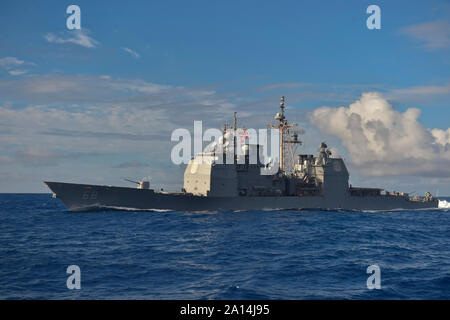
(117, 208)
(135, 209)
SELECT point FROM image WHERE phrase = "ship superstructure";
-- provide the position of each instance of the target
(308, 176)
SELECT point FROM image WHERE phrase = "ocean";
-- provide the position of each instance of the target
(282, 254)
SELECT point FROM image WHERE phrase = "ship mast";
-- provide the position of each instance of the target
(285, 135)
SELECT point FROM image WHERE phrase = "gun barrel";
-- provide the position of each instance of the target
(131, 181)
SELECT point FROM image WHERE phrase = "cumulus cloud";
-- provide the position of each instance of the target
(442, 136)
(132, 52)
(434, 34)
(382, 141)
(78, 37)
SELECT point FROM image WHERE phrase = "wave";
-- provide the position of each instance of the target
(444, 204)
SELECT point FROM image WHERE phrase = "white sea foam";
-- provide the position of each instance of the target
(135, 209)
(202, 212)
(444, 204)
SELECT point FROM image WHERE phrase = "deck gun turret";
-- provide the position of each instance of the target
(143, 184)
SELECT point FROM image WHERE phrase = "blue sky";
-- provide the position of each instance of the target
(99, 104)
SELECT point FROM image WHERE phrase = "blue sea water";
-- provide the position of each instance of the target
(220, 255)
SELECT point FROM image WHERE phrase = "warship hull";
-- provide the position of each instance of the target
(84, 197)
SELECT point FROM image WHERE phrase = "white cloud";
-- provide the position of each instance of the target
(63, 88)
(283, 85)
(442, 136)
(88, 113)
(10, 62)
(419, 93)
(423, 90)
(126, 122)
(78, 37)
(112, 92)
(17, 72)
(382, 141)
(132, 52)
(434, 34)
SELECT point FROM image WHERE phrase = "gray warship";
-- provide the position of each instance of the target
(299, 181)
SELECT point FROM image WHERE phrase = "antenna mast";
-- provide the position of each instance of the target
(285, 135)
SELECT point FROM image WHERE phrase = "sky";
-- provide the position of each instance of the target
(99, 104)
